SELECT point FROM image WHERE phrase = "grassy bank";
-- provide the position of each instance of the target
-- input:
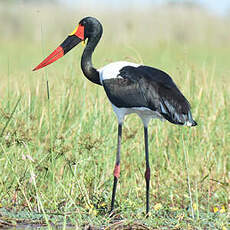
(57, 154)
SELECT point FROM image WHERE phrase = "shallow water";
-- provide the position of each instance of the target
(38, 226)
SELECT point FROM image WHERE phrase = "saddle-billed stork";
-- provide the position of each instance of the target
(130, 87)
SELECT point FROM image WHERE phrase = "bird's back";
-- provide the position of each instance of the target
(133, 86)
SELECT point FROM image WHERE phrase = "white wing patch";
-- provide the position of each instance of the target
(112, 70)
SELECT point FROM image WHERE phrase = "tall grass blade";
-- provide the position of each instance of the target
(11, 115)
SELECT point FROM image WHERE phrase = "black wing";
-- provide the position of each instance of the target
(148, 87)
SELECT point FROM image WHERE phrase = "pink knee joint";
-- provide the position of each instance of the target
(116, 171)
(147, 174)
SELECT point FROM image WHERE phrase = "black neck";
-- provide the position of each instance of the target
(86, 60)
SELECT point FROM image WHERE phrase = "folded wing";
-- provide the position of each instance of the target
(148, 87)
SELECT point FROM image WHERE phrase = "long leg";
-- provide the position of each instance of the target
(116, 171)
(147, 172)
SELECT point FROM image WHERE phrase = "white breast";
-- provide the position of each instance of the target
(112, 70)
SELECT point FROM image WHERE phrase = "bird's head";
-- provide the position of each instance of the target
(87, 28)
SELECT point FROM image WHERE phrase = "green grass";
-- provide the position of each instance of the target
(57, 155)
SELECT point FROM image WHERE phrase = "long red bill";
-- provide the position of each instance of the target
(71, 41)
(55, 55)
